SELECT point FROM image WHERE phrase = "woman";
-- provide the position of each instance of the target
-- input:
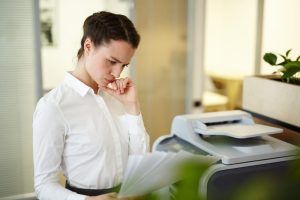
(88, 125)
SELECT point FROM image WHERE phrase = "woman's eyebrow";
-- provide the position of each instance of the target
(118, 60)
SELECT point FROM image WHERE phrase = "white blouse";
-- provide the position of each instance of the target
(86, 135)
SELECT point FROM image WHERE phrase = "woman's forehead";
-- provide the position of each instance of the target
(118, 49)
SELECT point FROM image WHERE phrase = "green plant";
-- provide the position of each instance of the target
(289, 70)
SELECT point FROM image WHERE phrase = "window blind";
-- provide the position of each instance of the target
(18, 94)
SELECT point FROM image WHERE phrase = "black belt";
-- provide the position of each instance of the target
(92, 192)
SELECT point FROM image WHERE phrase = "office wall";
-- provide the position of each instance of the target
(230, 37)
(281, 29)
(231, 34)
(161, 62)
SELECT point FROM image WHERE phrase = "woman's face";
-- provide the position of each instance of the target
(106, 62)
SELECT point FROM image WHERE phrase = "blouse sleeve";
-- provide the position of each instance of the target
(138, 137)
(49, 129)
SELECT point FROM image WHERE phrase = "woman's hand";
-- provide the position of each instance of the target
(124, 90)
(108, 196)
(113, 196)
(133, 198)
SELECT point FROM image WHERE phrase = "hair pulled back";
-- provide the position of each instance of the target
(101, 27)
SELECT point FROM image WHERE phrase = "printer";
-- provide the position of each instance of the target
(244, 149)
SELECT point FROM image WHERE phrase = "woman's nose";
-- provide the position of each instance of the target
(117, 70)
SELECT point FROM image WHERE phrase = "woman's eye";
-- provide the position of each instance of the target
(112, 62)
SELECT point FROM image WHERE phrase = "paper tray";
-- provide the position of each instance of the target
(240, 131)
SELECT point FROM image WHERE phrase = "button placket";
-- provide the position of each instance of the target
(115, 137)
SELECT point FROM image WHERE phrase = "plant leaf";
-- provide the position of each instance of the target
(291, 71)
(287, 53)
(292, 64)
(284, 58)
(283, 63)
(298, 58)
(270, 58)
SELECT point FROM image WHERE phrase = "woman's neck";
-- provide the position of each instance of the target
(81, 74)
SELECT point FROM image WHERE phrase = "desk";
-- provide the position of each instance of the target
(290, 135)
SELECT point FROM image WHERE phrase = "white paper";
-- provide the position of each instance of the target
(152, 171)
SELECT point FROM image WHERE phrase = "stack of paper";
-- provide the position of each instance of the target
(149, 172)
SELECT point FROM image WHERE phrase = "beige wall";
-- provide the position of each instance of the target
(161, 62)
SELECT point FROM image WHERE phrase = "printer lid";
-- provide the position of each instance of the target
(231, 135)
(240, 131)
(236, 124)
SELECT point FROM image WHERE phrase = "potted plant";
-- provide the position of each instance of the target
(278, 95)
(288, 69)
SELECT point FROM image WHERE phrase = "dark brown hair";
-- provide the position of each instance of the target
(101, 27)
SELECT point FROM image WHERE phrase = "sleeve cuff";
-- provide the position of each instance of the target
(76, 196)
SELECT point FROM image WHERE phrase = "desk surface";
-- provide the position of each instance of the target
(287, 135)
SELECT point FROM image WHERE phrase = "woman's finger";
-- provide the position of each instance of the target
(122, 84)
(126, 82)
(119, 84)
(112, 194)
(114, 85)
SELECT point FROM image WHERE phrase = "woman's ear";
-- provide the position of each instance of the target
(88, 45)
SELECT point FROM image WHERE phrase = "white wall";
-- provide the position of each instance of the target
(281, 29)
(230, 37)
(70, 17)
(230, 34)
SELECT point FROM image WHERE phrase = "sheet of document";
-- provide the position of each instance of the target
(152, 171)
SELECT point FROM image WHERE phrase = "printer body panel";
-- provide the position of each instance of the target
(225, 181)
(221, 181)
(240, 159)
(231, 150)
